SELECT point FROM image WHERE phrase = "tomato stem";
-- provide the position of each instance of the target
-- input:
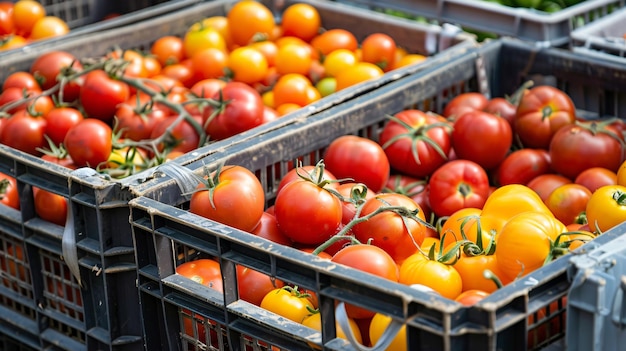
(488, 274)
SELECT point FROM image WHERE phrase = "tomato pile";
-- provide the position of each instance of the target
(458, 204)
(25, 21)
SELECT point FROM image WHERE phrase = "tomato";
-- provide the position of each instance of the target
(370, 259)
(541, 112)
(89, 142)
(525, 242)
(481, 137)
(307, 212)
(457, 184)
(51, 207)
(441, 277)
(203, 271)
(182, 72)
(247, 65)
(168, 50)
(503, 108)
(577, 147)
(288, 302)
(568, 201)
(9, 195)
(49, 27)
(334, 39)
(463, 224)
(360, 72)
(606, 208)
(314, 321)
(544, 184)
(308, 171)
(7, 25)
(48, 67)
(100, 95)
(14, 97)
(379, 49)
(25, 14)
(595, 177)
(183, 137)
(267, 228)
(198, 39)
(349, 207)
(510, 200)
(253, 285)
(465, 102)
(360, 159)
(291, 88)
(416, 143)
(233, 196)
(471, 297)
(521, 166)
(24, 132)
(59, 121)
(21, 80)
(414, 188)
(471, 269)
(137, 117)
(242, 110)
(301, 21)
(258, 20)
(294, 58)
(209, 63)
(338, 61)
(398, 235)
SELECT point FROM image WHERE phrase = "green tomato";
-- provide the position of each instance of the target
(326, 86)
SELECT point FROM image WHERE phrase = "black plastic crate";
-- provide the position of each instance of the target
(8, 343)
(89, 16)
(517, 317)
(546, 29)
(604, 39)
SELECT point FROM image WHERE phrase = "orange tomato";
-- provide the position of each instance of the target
(358, 73)
(302, 21)
(247, 19)
(247, 65)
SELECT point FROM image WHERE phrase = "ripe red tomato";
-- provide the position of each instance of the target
(545, 184)
(137, 117)
(47, 68)
(234, 197)
(414, 188)
(481, 137)
(243, 110)
(541, 112)
(89, 142)
(568, 201)
(379, 49)
(24, 132)
(100, 95)
(307, 171)
(503, 108)
(51, 207)
(182, 138)
(204, 271)
(360, 159)
(521, 166)
(254, 285)
(22, 80)
(417, 143)
(59, 121)
(465, 102)
(349, 207)
(577, 147)
(596, 177)
(268, 229)
(370, 259)
(8, 191)
(458, 184)
(470, 297)
(400, 237)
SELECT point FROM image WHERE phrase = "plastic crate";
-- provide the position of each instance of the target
(527, 314)
(8, 343)
(546, 29)
(104, 314)
(604, 39)
(595, 303)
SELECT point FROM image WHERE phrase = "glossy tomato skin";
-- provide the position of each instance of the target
(400, 238)
(238, 199)
(136, 117)
(471, 297)
(204, 271)
(8, 191)
(24, 132)
(243, 111)
(521, 166)
(541, 112)
(577, 147)
(441, 277)
(59, 121)
(482, 137)
(307, 171)
(606, 208)
(51, 207)
(568, 201)
(360, 159)
(100, 95)
(307, 213)
(503, 108)
(465, 102)
(596, 177)
(288, 302)
(348, 207)
(458, 184)
(47, 67)
(182, 138)
(267, 228)
(545, 184)
(409, 153)
(414, 188)
(254, 285)
(89, 143)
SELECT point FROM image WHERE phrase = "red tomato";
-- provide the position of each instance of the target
(360, 159)
(458, 184)
(89, 143)
(59, 121)
(596, 177)
(541, 112)
(51, 207)
(21, 80)
(307, 213)
(568, 201)
(7, 25)
(100, 95)
(308, 171)
(182, 138)
(545, 184)
(24, 132)
(577, 147)
(268, 229)
(414, 188)
(470, 297)
(242, 110)
(235, 198)
(349, 207)
(399, 236)
(48, 67)
(481, 137)
(254, 285)
(503, 108)
(417, 143)
(8, 191)
(521, 166)
(379, 49)
(204, 271)
(370, 259)
(465, 102)
(137, 117)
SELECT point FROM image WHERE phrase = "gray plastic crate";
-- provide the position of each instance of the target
(596, 305)
(546, 29)
(527, 314)
(604, 39)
